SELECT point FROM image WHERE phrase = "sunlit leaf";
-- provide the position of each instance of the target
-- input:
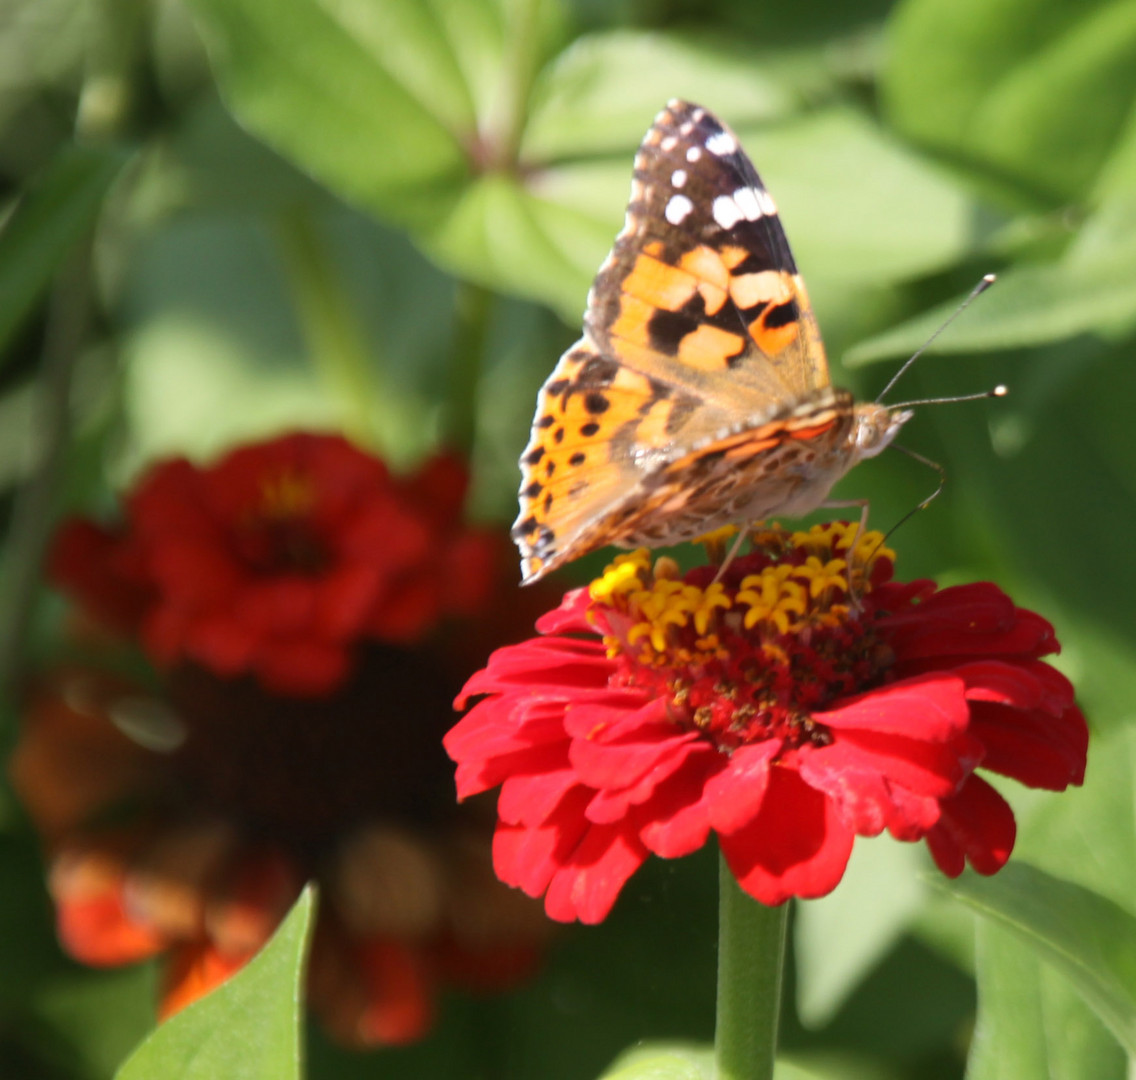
(878, 894)
(370, 98)
(249, 1028)
(1089, 939)
(661, 1061)
(601, 93)
(1031, 1022)
(1038, 90)
(1092, 289)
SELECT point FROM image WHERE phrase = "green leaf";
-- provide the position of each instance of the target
(57, 211)
(879, 893)
(1088, 834)
(1091, 289)
(423, 114)
(600, 94)
(248, 1028)
(859, 207)
(370, 98)
(1037, 90)
(1087, 938)
(1031, 1022)
(662, 1061)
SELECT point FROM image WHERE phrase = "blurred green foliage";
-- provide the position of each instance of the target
(382, 217)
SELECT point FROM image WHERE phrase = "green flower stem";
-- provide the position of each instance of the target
(473, 310)
(33, 512)
(118, 35)
(337, 343)
(751, 955)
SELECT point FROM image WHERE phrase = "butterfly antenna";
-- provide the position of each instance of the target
(926, 502)
(975, 293)
(998, 391)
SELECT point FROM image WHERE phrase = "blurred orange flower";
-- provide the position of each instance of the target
(183, 817)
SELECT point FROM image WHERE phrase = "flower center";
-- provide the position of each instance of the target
(752, 656)
(278, 535)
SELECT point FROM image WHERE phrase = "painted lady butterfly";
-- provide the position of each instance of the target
(699, 394)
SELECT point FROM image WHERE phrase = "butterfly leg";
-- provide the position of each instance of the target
(732, 554)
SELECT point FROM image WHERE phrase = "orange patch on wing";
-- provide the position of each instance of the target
(768, 286)
(706, 264)
(659, 284)
(652, 427)
(773, 339)
(733, 256)
(709, 348)
(634, 315)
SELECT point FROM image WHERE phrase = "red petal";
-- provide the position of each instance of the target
(867, 800)
(976, 826)
(796, 845)
(967, 620)
(588, 883)
(620, 748)
(925, 707)
(527, 858)
(1034, 747)
(560, 664)
(529, 800)
(676, 821)
(571, 617)
(613, 804)
(932, 769)
(734, 796)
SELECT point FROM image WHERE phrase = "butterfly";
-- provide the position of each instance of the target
(699, 394)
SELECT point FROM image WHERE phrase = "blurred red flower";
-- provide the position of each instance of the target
(279, 559)
(779, 708)
(182, 817)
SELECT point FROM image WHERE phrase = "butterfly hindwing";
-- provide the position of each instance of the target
(594, 415)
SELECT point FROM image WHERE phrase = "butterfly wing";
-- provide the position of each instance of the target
(698, 328)
(701, 283)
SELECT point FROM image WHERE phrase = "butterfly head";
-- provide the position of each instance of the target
(876, 426)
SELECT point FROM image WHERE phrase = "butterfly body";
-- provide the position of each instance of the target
(699, 394)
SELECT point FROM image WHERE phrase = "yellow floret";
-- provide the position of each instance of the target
(625, 573)
(823, 575)
(772, 597)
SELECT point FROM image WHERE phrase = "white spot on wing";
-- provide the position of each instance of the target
(698, 114)
(721, 143)
(686, 128)
(677, 209)
(765, 201)
(694, 153)
(678, 177)
(747, 202)
(726, 212)
(669, 143)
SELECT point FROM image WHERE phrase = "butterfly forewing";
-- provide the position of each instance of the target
(701, 374)
(701, 281)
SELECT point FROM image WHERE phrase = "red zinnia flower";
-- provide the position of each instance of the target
(778, 707)
(279, 559)
(183, 819)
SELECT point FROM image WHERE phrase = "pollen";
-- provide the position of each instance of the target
(749, 656)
